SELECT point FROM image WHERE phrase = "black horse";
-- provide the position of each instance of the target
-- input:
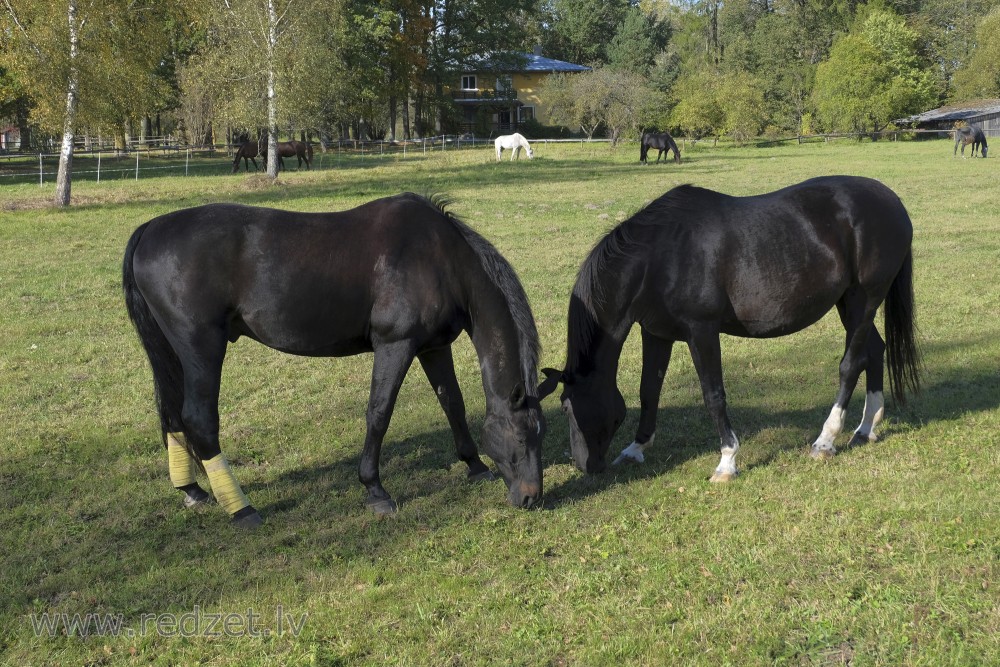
(971, 135)
(695, 264)
(399, 277)
(294, 148)
(248, 150)
(661, 141)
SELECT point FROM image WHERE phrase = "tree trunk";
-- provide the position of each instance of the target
(272, 111)
(393, 108)
(64, 180)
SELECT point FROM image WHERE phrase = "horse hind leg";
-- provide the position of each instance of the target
(391, 363)
(439, 366)
(874, 398)
(202, 359)
(858, 316)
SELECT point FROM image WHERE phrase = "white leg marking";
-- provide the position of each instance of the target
(726, 470)
(874, 409)
(834, 424)
(634, 452)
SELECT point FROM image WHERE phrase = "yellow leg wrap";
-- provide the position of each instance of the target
(224, 485)
(182, 466)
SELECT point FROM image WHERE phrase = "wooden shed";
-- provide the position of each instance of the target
(984, 114)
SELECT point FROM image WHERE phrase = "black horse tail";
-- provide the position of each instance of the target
(168, 376)
(643, 148)
(902, 353)
(309, 151)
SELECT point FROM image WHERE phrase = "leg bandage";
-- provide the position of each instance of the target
(182, 466)
(224, 485)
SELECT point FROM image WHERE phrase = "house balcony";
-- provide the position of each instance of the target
(485, 95)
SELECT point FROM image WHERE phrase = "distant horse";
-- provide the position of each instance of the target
(294, 148)
(662, 141)
(514, 143)
(971, 135)
(248, 150)
(399, 277)
(695, 264)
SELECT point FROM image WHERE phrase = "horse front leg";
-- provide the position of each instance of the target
(706, 352)
(392, 360)
(655, 360)
(439, 366)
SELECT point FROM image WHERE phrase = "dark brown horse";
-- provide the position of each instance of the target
(662, 142)
(299, 149)
(248, 150)
(695, 264)
(399, 277)
(971, 135)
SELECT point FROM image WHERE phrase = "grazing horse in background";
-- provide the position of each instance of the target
(971, 135)
(399, 276)
(248, 150)
(294, 148)
(661, 141)
(514, 143)
(695, 264)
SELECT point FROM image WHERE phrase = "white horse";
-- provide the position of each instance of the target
(514, 142)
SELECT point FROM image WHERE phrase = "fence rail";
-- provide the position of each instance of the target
(161, 156)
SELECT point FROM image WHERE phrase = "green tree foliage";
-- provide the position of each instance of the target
(873, 76)
(981, 76)
(582, 29)
(615, 100)
(638, 40)
(85, 64)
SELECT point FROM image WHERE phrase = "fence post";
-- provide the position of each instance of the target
(187, 159)
(137, 165)
(98, 166)
(41, 172)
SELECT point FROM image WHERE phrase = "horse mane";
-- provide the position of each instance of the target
(502, 275)
(618, 243)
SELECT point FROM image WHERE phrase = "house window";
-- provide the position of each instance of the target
(469, 82)
(504, 84)
(525, 113)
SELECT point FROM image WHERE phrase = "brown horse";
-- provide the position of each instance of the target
(300, 149)
(248, 150)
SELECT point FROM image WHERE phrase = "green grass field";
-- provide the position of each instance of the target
(886, 555)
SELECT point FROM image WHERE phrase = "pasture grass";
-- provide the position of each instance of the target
(886, 555)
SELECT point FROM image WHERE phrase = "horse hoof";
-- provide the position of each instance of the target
(484, 476)
(824, 454)
(247, 518)
(722, 477)
(196, 498)
(860, 439)
(382, 506)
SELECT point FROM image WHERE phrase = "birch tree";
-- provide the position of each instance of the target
(83, 62)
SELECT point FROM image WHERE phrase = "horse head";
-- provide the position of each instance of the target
(512, 437)
(595, 409)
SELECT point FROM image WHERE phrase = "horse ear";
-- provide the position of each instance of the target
(552, 380)
(518, 396)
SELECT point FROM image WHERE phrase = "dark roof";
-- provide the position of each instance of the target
(955, 112)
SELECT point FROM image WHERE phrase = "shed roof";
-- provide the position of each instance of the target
(955, 112)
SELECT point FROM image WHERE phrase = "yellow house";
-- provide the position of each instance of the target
(499, 98)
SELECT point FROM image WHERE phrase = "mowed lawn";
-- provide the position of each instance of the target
(886, 555)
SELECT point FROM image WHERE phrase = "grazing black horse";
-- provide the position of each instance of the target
(971, 135)
(661, 141)
(695, 263)
(248, 150)
(299, 149)
(399, 277)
